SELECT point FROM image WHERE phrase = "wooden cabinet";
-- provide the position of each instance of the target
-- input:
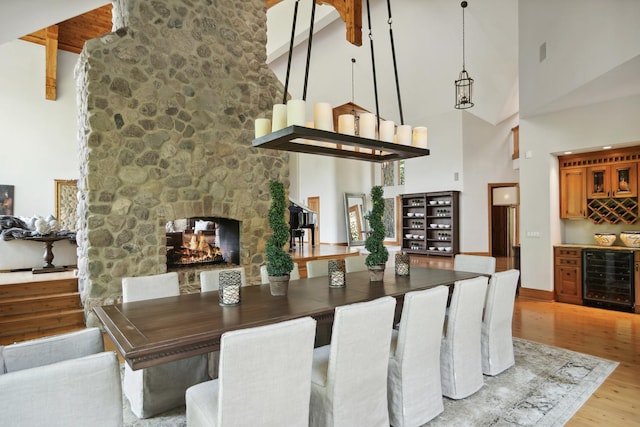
(568, 274)
(430, 223)
(573, 197)
(612, 181)
(600, 186)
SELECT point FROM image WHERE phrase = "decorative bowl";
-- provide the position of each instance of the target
(630, 239)
(605, 239)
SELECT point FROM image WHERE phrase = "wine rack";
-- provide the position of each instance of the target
(613, 211)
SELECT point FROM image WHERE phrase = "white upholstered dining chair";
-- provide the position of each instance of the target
(497, 339)
(210, 279)
(53, 349)
(349, 377)
(355, 263)
(78, 392)
(265, 378)
(475, 263)
(414, 388)
(317, 268)
(157, 389)
(460, 353)
(264, 275)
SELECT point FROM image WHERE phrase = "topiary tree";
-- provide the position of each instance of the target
(378, 253)
(279, 262)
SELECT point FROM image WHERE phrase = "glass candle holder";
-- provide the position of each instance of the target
(337, 273)
(229, 288)
(402, 264)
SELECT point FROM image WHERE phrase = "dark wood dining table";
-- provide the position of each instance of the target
(152, 332)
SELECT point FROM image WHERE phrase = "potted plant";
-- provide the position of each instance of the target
(279, 262)
(378, 253)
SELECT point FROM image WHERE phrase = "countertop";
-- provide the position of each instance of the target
(583, 246)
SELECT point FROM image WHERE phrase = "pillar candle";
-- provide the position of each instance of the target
(420, 137)
(295, 112)
(263, 127)
(387, 130)
(323, 116)
(367, 127)
(404, 135)
(346, 124)
(279, 117)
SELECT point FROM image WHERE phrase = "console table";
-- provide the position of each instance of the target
(48, 241)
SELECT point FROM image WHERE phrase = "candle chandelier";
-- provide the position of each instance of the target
(290, 132)
(464, 84)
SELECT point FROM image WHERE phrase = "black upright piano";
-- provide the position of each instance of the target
(301, 217)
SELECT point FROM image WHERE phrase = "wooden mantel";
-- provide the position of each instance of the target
(351, 13)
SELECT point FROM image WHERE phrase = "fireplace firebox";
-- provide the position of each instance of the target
(203, 241)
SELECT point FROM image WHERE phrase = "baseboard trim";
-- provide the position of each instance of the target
(536, 294)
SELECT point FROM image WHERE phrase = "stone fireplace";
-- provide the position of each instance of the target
(166, 109)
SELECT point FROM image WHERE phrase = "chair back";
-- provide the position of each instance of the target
(150, 287)
(358, 362)
(475, 264)
(72, 393)
(355, 263)
(318, 268)
(497, 343)
(210, 279)
(264, 275)
(461, 364)
(265, 374)
(415, 392)
(44, 351)
(420, 328)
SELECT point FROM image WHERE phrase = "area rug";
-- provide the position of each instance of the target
(546, 387)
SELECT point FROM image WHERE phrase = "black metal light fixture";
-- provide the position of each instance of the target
(302, 139)
(464, 84)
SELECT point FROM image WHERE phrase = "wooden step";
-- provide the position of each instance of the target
(39, 303)
(40, 322)
(39, 287)
(10, 339)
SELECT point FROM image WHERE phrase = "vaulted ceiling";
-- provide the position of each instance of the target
(428, 44)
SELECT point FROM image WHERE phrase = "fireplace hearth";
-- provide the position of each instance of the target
(202, 241)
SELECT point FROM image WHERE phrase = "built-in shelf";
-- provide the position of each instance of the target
(301, 139)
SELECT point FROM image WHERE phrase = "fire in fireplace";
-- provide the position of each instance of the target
(198, 241)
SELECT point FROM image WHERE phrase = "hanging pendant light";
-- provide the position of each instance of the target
(464, 84)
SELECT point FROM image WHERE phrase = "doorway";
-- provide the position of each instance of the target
(504, 220)
(313, 203)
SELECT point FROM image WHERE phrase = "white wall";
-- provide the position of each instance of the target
(584, 39)
(329, 178)
(38, 138)
(480, 154)
(487, 160)
(608, 123)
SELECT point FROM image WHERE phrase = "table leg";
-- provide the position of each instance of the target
(48, 260)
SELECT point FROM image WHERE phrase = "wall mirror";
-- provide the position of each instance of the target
(354, 210)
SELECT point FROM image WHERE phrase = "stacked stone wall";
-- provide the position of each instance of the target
(166, 110)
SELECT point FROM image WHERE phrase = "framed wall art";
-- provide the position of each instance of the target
(66, 203)
(6, 199)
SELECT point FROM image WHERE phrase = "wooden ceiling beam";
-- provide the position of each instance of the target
(51, 43)
(350, 11)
